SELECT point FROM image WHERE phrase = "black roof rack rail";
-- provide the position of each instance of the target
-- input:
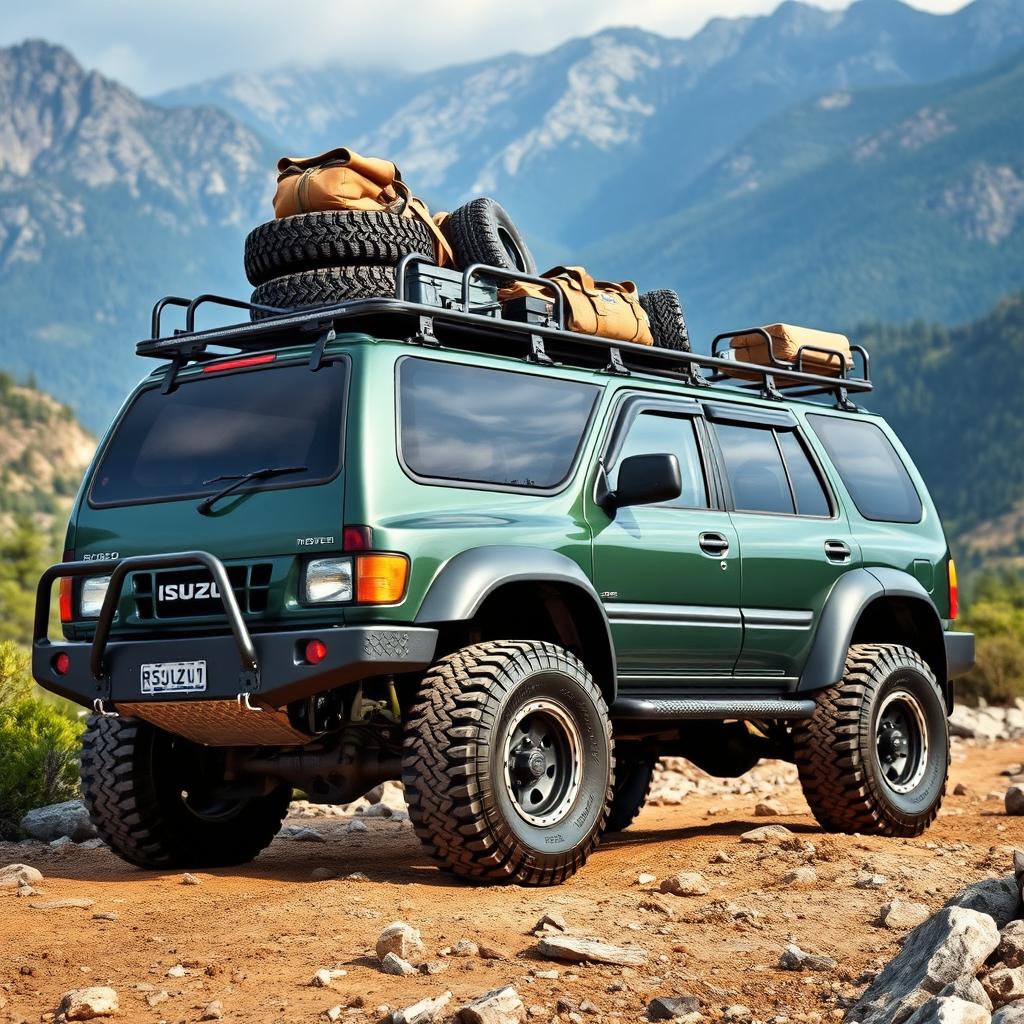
(546, 342)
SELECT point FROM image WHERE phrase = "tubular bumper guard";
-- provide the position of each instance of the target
(267, 668)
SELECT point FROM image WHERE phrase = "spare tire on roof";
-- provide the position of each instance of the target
(482, 232)
(668, 325)
(324, 287)
(309, 241)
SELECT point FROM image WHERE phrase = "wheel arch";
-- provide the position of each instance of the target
(875, 606)
(500, 587)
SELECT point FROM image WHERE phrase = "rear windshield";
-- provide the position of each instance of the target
(483, 426)
(874, 474)
(222, 425)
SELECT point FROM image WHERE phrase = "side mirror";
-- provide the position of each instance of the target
(647, 479)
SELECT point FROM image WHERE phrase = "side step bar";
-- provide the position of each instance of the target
(710, 708)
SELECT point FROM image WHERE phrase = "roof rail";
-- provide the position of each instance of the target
(460, 325)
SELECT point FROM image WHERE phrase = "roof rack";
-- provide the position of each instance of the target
(541, 336)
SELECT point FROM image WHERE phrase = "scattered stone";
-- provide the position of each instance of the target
(464, 947)
(105, 915)
(92, 844)
(58, 844)
(324, 977)
(189, 879)
(1014, 800)
(333, 1013)
(214, 1011)
(69, 819)
(14, 876)
(1004, 985)
(391, 963)
(355, 825)
(423, 1012)
(1013, 1013)
(1011, 945)
(686, 883)
(579, 950)
(765, 834)
(799, 877)
(88, 1003)
(321, 874)
(177, 971)
(656, 905)
(950, 945)
(490, 953)
(499, 1006)
(961, 790)
(401, 939)
(550, 921)
(670, 1007)
(356, 876)
(377, 811)
(646, 879)
(156, 998)
(900, 914)
(768, 809)
(433, 967)
(80, 904)
(871, 881)
(721, 857)
(795, 959)
(546, 975)
(305, 835)
(949, 1010)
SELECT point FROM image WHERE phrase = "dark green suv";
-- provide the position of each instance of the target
(507, 564)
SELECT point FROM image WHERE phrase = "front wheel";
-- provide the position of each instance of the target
(508, 762)
(874, 756)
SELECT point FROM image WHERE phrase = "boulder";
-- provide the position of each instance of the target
(1011, 945)
(1004, 985)
(1012, 1013)
(499, 1006)
(949, 946)
(88, 1003)
(14, 876)
(401, 939)
(1014, 800)
(969, 989)
(949, 1010)
(69, 819)
(999, 898)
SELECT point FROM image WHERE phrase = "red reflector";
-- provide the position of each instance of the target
(61, 664)
(316, 651)
(237, 364)
(356, 538)
(66, 610)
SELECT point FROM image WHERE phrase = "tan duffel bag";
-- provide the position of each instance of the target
(605, 308)
(343, 180)
(824, 352)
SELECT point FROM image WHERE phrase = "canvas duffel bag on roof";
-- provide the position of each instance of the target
(821, 352)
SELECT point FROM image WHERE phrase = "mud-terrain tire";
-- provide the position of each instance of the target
(874, 756)
(311, 240)
(668, 324)
(134, 779)
(632, 787)
(325, 287)
(508, 762)
(482, 232)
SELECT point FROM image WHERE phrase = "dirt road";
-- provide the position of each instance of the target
(252, 938)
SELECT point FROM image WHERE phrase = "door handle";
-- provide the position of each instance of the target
(714, 544)
(837, 551)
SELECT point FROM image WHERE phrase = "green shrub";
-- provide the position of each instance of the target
(38, 745)
(995, 613)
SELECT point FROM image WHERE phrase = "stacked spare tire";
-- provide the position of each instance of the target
(344, 222)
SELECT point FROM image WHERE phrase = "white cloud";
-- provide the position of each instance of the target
(156, 44)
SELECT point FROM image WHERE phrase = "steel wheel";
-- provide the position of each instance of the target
(901, 741)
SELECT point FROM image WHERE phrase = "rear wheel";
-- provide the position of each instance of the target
(874, 756)
(158, 800)
(508, 761)
(633, 777)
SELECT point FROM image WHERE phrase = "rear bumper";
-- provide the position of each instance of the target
(266, 668)
(959, 653)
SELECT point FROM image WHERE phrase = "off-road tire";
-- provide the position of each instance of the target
(133, 791)
(325, 287)
(308, 241)
(668, 324)
(632, 787)
(836, 753)
(454, 772)
(482, 232)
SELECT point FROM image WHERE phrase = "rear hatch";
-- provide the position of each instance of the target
(167, 454)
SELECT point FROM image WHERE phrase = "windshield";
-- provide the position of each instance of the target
(218, 425)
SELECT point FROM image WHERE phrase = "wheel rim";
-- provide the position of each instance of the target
(901, 741)
(542, 766)
(508, 243)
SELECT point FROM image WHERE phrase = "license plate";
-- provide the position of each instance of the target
(174, 677)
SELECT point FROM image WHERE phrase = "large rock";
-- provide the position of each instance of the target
(1011, 945)
(578, 950)
(670, 1007)
(13, 876)
(685, 883)
(88, 1003)
(997, 897)
(900, 914)
(401, 939)
(1014, 800)
(69, 819)
(1004, 985)
(970, 990)
(949, 1010)
(499, 1006)
(1012, 1013)
(949, 946)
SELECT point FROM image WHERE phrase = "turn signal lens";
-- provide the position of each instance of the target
(381, 579)
(316, 651)
(954, 597)
(66, 609)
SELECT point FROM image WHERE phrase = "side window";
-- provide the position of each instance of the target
(811, 499)
(654, 433)
(870, 468)
(755, 469)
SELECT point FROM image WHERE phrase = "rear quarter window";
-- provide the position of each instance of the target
(870, 468)
(478, 425)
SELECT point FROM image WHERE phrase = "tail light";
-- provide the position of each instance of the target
(66, 591)
(954, 597)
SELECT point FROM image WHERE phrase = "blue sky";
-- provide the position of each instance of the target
(152, 45)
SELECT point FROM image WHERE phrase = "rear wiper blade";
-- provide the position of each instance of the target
(240, 480)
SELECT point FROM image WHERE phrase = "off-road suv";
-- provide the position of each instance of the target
(507, 564)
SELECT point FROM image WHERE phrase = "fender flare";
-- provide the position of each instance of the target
(848, 599)
(465, 581)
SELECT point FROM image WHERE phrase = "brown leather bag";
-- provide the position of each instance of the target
(605, 308)
(341, 179)
(824, 352)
